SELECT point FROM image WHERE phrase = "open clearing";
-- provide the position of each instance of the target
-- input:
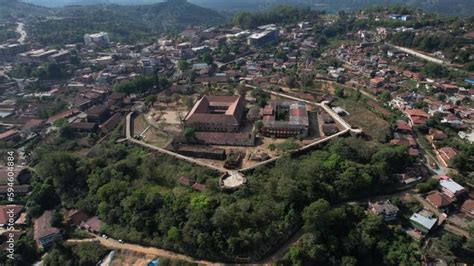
(361, 117)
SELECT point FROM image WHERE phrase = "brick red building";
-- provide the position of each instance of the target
(216, 114)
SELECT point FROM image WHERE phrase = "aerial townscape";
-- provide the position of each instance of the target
(209, 132)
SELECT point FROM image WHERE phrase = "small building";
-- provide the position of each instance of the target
(44, 234)
(97, 114)
(377, 82)
(9, 214)
(185, 181)
(83, 127)
(404, 128)
(445, 155)
(423, 223)
(199, 187)
(468, 208)
(438, 200)
(92, 224)
(451, 188)
(76, 217)
(417, 116)
(10, 135)
(386, 209)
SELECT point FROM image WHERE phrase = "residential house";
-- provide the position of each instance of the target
(92, 224)
(423, 223)
(451, 188)
(438, 200)
(417, 116)
(468, 208)
(97, 114)
(445, 155)
(10, 135)
(9, 214)
(44, 234)
(386, 209)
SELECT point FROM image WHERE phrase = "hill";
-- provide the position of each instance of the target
(62, 3)
(17, 9)
(445, 7)
(124, 23)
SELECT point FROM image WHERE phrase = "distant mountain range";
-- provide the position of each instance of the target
(446, 7)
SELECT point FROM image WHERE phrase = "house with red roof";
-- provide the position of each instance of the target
(445, 155)
(9, 214)
(44, 234)
(438, 200)
(417, 116)
(468, 208)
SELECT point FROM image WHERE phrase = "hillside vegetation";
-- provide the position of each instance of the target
(124, 23)
(17, 9)
(445, 7)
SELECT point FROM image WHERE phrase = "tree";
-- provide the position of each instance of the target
(150, 99)
(339, 92)
(386, 96)
(291, 80)
(315, 216)
(434, 70)
(183, 65)
(451, 242)
(207, 58)
(189, 134)
(56, 218)
(260, 96)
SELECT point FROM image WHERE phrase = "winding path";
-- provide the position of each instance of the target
(20, 29)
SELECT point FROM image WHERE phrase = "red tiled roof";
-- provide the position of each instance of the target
(438, 199)
(93, 224)
(199, 187)
(404, 127)
(468, 206)
(32, 123)
(185, 181)
(9, 134)
(42, 226)
(201, 112)
(417, 112)
(5, 211)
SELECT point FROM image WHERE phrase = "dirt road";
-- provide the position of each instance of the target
(21, 30)
(114, 244)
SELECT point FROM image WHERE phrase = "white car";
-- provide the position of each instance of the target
(120, 241)
(105, 236)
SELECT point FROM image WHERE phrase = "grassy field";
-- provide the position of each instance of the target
(360, 116)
